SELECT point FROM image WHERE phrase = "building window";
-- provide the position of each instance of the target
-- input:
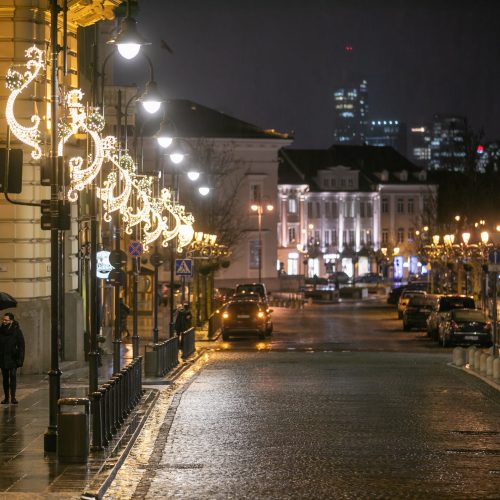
(350, 182)
(253, 252)
(362, 209)
(292, 205)
(348, 212)
(327, 237)
(352, 237)
(410, 206)
(292, 235)
(317, 237)
(293, 264)
(335, 209)
(410, 234)
(369, 209)
(334, 236)
(385, 237)
(385, 206)
(328, 210)
(401, 235)
(318, 210)
(369, 240)
(309, 210)
(400, 206)
(344, 237)
(255, 193)
(362, 237)
(334, 182)
(342, 182)
(326, 182)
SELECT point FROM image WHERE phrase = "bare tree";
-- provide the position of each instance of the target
(220, 215)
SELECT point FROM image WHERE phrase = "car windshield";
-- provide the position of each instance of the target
(243, 307)
(449, 303)
(419, 300)
(250, 288)
(469, 315)
(407, 294)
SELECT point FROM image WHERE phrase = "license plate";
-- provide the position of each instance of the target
(242, 316)
(470, 337)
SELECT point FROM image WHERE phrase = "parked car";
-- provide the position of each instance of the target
(339, 278)
(416, 312)
(444, 304)
(371, 278)
(255, 297)
(394, 294)
(245, 317)
(465, 326)
(405, 298)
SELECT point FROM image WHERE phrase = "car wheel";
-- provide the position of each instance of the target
(400, 315)
(262, 336)
(406, 327)
(225, 336)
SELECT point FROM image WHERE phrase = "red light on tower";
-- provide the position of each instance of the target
(480, 149)
(348, 48)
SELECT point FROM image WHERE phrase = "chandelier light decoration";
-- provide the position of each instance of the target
(17, 82)
(123, 190)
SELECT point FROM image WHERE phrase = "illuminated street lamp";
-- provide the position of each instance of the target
(259, 208)
(128, 40)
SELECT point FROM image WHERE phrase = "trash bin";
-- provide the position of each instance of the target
(73, 430)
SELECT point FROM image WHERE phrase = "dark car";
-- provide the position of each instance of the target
(444, 304)
(465, 326)
(255, 297)
(394, 294)
(242, 317)
(258, 288)
(416, 312)
(373, 278)
(339, 278)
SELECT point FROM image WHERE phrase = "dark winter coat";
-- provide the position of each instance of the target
(11, 346)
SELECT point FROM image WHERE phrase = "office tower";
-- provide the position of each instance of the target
(419, 151)
(448, 149)
(387, 133)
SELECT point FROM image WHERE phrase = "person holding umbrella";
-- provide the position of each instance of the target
(11, 355)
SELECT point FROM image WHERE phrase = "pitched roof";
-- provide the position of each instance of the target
(195, 120)
(368, 160)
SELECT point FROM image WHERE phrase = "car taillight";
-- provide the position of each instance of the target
(454, 325)
(487, 325)
(225, 315)
(260, 314)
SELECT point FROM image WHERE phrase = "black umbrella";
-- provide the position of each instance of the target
(6, 301)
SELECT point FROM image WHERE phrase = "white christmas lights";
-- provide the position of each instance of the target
(17, 82)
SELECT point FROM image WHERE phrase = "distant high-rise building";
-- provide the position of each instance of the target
(420, 145)
(351, 114)
(448, 151)
(488, 157)
(387, 133)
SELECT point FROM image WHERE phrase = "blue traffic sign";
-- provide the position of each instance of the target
(494, 257)
(183, 267)
(135, 249)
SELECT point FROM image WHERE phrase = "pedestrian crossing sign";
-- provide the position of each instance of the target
(183, 267)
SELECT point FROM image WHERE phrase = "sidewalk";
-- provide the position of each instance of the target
(25, 471)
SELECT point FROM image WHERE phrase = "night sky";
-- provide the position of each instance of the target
(275, 63)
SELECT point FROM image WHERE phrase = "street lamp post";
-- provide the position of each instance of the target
(259, 208)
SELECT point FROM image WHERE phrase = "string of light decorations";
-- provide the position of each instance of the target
(134, 202)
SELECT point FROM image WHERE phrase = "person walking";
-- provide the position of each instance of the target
(11, 355)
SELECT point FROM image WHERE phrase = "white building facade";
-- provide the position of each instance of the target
(340, 217)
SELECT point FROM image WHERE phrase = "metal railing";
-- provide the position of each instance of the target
(214, 324)
(162, 358)
(113, 401)
(188, 343)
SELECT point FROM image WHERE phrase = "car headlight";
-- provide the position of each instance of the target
(225, 315)
(260, 314)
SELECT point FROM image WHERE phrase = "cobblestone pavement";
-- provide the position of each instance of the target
(267, 424)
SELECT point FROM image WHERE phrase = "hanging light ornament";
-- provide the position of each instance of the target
(91, 124)
(124, 170)
(17, 82)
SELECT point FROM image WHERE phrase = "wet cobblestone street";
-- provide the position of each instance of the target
(260, 424)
